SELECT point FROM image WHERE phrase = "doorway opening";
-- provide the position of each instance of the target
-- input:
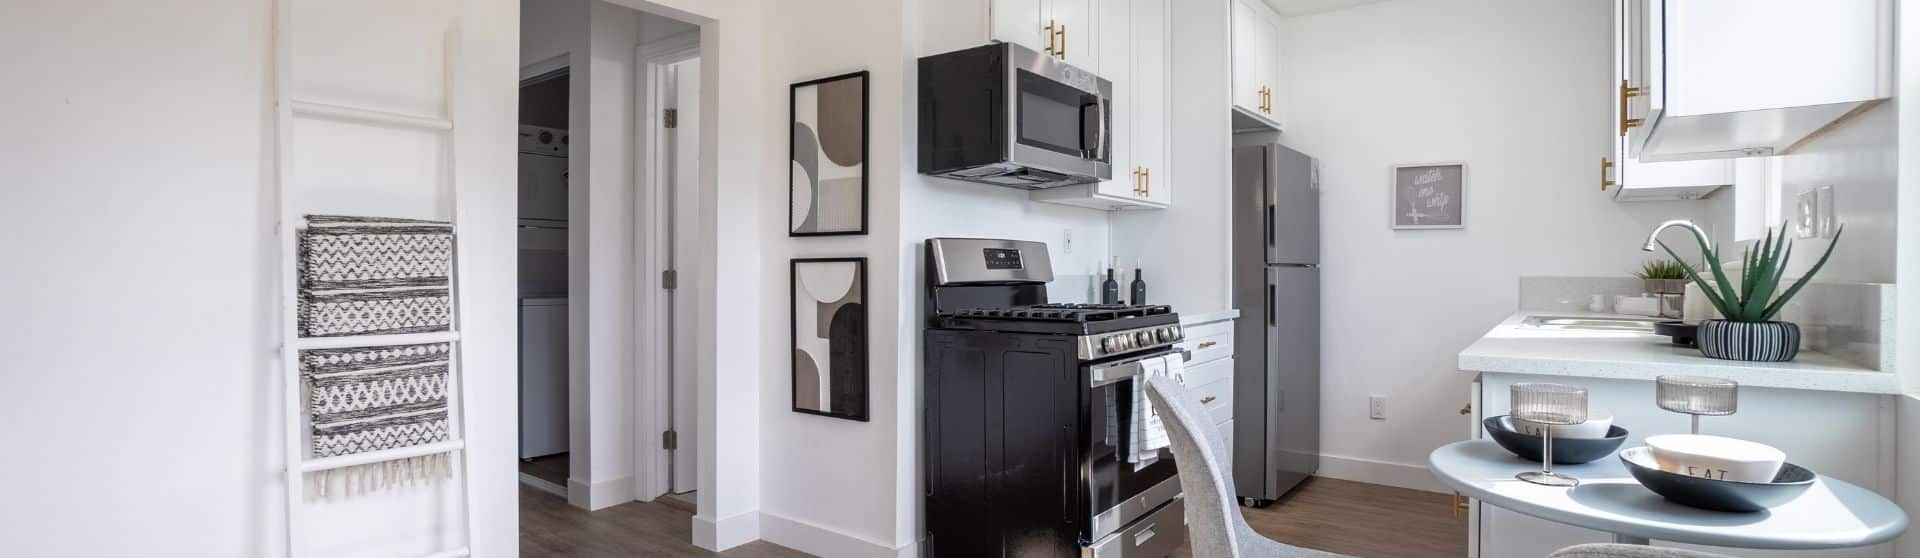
(609, 205)
(544, 150)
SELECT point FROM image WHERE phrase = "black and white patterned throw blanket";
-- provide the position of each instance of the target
(364, 399)
(373, 275)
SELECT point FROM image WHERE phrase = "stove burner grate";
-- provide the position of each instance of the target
(1063, 312)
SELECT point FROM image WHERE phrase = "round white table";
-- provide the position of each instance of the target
(1830, 514)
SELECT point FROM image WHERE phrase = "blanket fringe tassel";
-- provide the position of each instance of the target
(347, 482)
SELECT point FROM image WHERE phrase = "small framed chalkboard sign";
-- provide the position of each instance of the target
(1430, 196)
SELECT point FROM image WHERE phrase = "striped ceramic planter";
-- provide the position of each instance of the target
(1757, 342)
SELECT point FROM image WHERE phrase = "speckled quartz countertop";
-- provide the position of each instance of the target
(1513, 347)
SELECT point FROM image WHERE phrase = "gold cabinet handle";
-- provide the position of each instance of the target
(1206, 400)
(1467, 410)
(1146, 176)
(1460, 504)
(1136, 181)
(1604, 165)
(1267, 99)
(1207, 344)
(1049, 33)
(1627, 92)
(1063, 41)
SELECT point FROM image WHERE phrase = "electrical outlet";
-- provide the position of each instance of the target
(1377, 407)
(1066, 241)
(1825, 224)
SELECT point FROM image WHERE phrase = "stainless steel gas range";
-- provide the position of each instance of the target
(1027, 410)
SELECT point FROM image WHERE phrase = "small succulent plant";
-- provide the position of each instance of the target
(1662, 269)
(1764, 264)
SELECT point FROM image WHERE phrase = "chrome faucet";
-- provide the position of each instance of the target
(1653, 239)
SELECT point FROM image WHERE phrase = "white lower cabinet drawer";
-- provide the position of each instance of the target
(1153, 536)
(1207, 373)
(1216, 399)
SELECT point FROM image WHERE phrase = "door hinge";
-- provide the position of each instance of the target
(670, 279)
(672, 118)
(670, 440)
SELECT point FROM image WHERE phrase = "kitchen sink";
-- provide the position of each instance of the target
(1592, 323)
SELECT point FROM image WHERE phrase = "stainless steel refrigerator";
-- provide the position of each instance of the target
(1276, 286)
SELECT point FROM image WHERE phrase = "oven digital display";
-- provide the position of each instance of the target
(1003, 258)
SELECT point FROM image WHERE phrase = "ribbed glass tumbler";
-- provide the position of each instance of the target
(1697, 395)
(1550, 405)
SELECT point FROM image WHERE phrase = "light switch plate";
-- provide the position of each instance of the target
(1806, 214)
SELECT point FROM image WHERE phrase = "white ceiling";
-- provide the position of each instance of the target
(1303, 7)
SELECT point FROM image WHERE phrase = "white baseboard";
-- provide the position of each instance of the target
(543, 485)
(1415, 477)
(727, 532)
(603, 494)
(821, 541)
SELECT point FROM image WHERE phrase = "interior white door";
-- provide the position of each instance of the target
(1150, 21)
(684, 154)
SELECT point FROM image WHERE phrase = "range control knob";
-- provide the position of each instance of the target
(1111, 344)
(1165, 334)
(1144, 338)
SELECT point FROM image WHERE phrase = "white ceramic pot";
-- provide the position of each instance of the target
(1716, 457)
(1596, 426)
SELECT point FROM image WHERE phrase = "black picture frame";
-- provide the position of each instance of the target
(860, 398)
(866, 140)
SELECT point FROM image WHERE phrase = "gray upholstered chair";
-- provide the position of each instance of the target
(1627, 551)
(1215, 528)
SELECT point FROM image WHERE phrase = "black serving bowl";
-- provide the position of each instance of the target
(1717, 495)
(1681, 332)
(1566, 451)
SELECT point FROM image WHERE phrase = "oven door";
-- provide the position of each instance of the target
(1062, 120)
(1120, 491)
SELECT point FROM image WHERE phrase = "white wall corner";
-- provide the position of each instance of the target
(600, 495)
(1413, 477)
(823, 541)
(725, 533)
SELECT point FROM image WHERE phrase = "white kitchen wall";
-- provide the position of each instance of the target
(1185, 248)
(1415, 81)
(142, 288)
(1859, 160)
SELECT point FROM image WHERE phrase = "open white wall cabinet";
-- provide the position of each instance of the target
(1737, 78)
(289, 110)
(1622, 175)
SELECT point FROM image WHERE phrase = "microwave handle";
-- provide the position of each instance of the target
(1100, 141)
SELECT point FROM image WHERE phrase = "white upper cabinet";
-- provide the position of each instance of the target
(1064, 29)
(1734, 78)
(1132, 46)
(1622, 175)
(1256, 64)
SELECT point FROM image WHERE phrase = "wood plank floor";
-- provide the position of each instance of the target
(551, 528)
(1360, 519)
(1365, 520)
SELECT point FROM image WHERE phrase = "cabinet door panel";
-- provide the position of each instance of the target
(1078, 32)
(1117, 47)
(1268, 32)
(1150, 97)
(1246, 86)
(1021, 22)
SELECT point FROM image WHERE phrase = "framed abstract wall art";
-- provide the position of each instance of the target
(830, 337)
(827, 180)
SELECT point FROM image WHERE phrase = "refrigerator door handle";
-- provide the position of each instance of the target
(1270, 321)
(1269, 222)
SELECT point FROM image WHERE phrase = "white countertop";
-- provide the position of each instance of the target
(1206, 317)
(1515, 348)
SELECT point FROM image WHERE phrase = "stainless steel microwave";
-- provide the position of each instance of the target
(1005, 115)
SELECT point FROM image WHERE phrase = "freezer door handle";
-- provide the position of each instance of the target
(1269, 222)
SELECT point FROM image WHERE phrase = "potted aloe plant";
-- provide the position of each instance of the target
(1748, 331)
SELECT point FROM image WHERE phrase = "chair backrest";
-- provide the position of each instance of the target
(1214, 523)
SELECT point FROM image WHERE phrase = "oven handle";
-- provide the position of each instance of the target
(1103, 374)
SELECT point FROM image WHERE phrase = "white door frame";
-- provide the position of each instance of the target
(564, 489)
(653, 394)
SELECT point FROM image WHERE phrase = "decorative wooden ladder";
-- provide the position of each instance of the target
(288, 108)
